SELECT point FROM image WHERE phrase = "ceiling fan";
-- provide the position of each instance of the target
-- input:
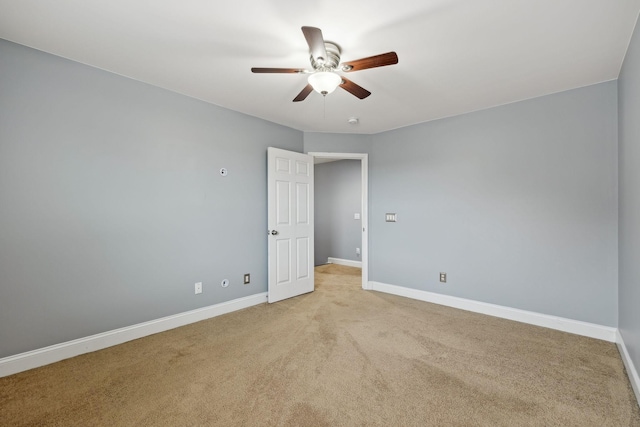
(325, 60)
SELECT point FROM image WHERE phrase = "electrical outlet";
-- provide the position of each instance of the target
(443, 277)
(199, 288)
(247, 279)
(357, 251)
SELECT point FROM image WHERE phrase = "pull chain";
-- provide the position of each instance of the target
(324, 106)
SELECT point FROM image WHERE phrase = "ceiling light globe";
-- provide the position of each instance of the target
(324, 82)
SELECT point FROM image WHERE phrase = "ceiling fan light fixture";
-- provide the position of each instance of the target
(324, 82)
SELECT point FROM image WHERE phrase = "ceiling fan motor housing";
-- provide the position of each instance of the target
(329, 63)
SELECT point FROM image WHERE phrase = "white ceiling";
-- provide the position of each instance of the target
(455, 56)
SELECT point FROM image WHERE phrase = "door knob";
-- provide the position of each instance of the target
(274, 232)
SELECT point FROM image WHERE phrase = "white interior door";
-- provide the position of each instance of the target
(290, 223)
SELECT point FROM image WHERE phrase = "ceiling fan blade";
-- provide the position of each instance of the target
(303, 93)
(389, 58)
(278, 70)
(315, 42)
(354, 89)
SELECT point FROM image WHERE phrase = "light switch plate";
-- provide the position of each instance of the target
(356, 216)
(391, 217)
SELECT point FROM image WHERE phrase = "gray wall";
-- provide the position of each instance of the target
(517, 204)
(629, 213)
(337, 143)
(111, 204)
(337, 198)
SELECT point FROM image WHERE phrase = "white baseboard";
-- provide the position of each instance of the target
(346, 262)
(44, 356)
(634, 379)
(553, 322)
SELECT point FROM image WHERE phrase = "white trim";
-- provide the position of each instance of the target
(44, 356)
(634, 379)
(364, 169)
(553, 322)
(346, 262)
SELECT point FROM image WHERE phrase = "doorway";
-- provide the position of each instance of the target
(364, 203)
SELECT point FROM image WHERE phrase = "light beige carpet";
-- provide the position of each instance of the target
(339, 356)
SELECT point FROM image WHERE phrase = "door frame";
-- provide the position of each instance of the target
(364, 203)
